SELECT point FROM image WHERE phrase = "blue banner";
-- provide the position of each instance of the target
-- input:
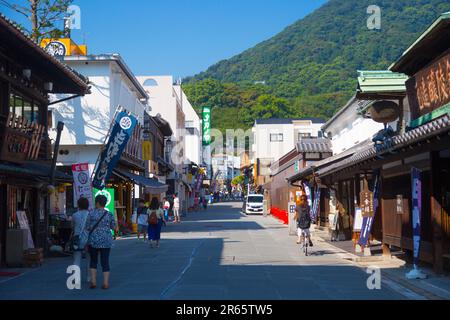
(416, 183)
(121, 132)
(316, 205)
(368, 222)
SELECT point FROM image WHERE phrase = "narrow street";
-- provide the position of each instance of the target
(217, 254)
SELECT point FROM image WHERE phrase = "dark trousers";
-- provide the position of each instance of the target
(104, 258)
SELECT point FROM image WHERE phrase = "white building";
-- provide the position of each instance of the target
(88, 119)
(348, 128)
(169, 100)
(273, 138)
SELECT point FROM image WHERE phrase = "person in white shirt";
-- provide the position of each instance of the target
(166, 207)
(176, 208)
(142, 213)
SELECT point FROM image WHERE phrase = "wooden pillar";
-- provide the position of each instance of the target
(384, 246)
(436, 213)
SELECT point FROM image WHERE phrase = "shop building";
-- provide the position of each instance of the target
(28, 75)
(414, 151)
(88, 121)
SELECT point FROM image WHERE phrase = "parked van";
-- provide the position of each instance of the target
(253, 204)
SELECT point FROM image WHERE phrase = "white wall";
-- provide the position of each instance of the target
(88, 119)
(350, 129)
(265, 149)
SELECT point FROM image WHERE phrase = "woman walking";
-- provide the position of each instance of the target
(100, 224)
(80, 233)
(155, 222)
(166, 207)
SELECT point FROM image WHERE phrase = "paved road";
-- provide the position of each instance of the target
(218, 254)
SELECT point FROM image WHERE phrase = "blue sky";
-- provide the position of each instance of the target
(181, 37)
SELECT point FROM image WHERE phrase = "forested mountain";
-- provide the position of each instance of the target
(309, 69)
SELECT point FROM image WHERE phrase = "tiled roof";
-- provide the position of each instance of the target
(431, 129)
(329, 161)
(319, 145)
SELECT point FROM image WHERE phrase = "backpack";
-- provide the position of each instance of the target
(153, 218)
(304, 219)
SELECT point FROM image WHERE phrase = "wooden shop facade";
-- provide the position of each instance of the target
(420, 139)
(27, 76)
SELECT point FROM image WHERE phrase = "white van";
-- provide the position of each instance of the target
(253, 204)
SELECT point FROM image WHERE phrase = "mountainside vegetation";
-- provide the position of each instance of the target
(309, 69)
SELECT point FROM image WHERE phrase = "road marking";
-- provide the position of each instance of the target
(183, 272)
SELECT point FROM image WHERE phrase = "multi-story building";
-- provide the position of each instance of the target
(88, 120)
(273, 138)
(169, 100)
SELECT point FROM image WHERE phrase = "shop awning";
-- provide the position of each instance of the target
(427, 131)
(34, 171)
(151, 185)
(328, 162)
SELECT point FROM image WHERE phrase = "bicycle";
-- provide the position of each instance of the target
(305, 243)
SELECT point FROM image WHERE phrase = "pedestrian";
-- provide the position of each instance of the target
(176, 208)
(155, 222)
(100, 223)
(166, 207)
(303, 218)
(142, 214)
(205, 203)
(80, 233)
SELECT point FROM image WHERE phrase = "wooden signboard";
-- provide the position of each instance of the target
(429, 89)
(366, 202)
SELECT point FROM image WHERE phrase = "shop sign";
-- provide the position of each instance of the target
(121, 133)
(358, 222)
(366, 201)
(110, 197)
(432, 86)
(206, 126)
(82, 187)
(15, 146)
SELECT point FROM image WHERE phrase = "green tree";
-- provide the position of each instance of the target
(239, 180)
(44, 16)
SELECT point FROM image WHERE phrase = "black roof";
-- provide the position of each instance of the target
(287, 120)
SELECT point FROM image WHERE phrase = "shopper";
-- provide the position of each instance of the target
(80, 233)
(100, 224)
(166, 207)
(303, 218)
(176, 208)
(155, 222)
(142, 214)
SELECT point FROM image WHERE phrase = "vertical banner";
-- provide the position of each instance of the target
(316, 205)
(367, 222)
(121, 132)
(308, 193)
(206, 126)
(416, 183)
(82, 187)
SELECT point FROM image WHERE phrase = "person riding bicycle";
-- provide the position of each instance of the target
(303, 218)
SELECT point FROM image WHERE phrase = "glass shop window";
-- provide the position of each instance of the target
(24, 107)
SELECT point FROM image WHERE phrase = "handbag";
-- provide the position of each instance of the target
(75, 240)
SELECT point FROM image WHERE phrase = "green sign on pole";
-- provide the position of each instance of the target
(110, 203)
(206, 117)
(109, 194)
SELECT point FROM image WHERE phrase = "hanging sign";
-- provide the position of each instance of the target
(316, 205)
(206, 126)
(121, 132)
(23, 223)
(368, 213)
(416, 182)
(82, 187)
(366, 201)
